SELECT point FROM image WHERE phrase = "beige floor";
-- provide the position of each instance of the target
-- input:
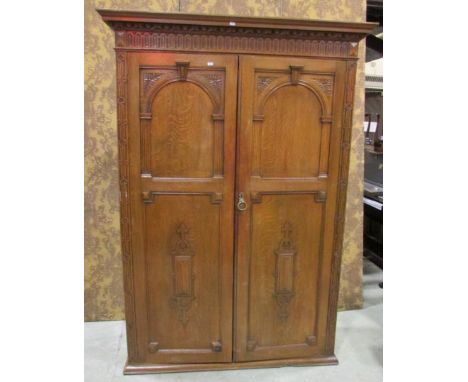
(358, 348)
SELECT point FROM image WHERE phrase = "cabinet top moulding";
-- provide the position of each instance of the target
(234, 34)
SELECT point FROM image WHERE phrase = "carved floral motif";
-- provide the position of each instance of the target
(215, 80)
(125, 212)
(325, 84)
(263, 82)
(149, 79)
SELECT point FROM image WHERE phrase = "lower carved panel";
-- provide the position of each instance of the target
(284, 270)
(183, 277)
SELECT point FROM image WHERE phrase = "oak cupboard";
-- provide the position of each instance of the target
(234, 138)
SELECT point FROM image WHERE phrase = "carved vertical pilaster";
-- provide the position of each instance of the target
(125, 212)
(145, 142)
(324, 144)
(347, 122)
(218, 122)
(256, 137)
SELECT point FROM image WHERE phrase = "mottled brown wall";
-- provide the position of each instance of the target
(103, 269)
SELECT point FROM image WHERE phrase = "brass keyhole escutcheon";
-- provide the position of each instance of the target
(241, 204)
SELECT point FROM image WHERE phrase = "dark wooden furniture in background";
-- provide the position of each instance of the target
(234, 138)
(373, 231)
(373, 153)
(373, 140)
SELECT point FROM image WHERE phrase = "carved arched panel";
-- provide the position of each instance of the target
(289, 144)
(281, 97)
(182, 121)
(320, 84)
(181, 132)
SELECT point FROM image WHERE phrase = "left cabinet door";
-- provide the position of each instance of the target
(177, 127)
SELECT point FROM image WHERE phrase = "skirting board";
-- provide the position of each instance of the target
(174, 368)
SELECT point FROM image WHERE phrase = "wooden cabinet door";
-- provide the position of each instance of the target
(288, 165)
(182, 127)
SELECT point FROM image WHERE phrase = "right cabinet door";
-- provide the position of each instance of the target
(290, 133)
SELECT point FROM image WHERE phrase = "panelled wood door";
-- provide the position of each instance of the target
(287, 167)
(184, 155)
(182, 118)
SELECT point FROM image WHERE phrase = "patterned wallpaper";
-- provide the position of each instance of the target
(103, 285)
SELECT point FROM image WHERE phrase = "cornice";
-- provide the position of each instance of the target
(234, 34)
(112, 17)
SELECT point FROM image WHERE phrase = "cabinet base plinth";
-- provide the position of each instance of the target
(174, 368)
